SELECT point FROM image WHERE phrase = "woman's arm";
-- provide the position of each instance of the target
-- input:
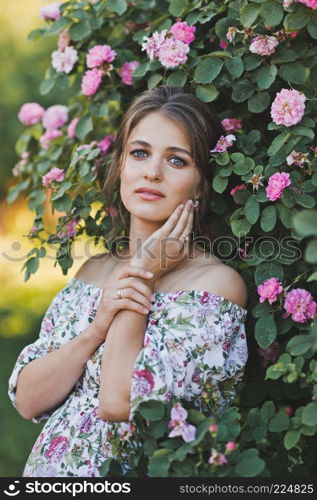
(46, 381)
(124, 341)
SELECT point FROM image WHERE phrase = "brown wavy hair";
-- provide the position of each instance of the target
(203, 129)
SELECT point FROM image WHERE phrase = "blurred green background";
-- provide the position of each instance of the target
(22, 305)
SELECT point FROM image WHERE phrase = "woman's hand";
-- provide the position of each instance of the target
(138, 297)
(165, 249)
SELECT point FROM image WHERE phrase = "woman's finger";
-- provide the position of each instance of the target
(179, 229)
(169, 225)
(130, 270)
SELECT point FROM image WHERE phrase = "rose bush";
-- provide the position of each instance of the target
(255, 61)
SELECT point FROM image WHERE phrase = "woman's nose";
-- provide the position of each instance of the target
(153, 167)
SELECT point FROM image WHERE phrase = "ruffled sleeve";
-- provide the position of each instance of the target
(38, 348)
(194, 341)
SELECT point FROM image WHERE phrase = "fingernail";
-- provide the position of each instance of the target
(181, 206)
(190, 203)
(148, 273)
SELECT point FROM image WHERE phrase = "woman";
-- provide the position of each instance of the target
(114, 336)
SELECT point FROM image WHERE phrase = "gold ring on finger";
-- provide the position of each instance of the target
(120, 293)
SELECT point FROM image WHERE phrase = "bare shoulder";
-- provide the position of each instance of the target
(223, 280)
(93, 268)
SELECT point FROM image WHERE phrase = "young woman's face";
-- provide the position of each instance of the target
(157, 157)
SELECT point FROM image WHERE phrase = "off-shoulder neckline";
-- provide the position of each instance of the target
(196, 292)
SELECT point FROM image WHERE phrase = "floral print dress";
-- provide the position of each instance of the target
(193, 337)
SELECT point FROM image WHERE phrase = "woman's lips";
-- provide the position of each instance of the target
(149, 196)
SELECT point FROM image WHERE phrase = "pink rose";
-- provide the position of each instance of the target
(106, 142)
(51, 11)
(98, 54)
(49, 135)
(63, 40)
(72, 127)
(152, 44)
(173, 52)
(183, 32)
(55, 117)
(288, 107)
(231, 124)
(55, 174)
(276, 185)
(30, 113)
(127, 70)
(64, 60)
(300, 304)
(263, 45)
(269, 290)
(223, 143)
(91, 81)
(312, 4)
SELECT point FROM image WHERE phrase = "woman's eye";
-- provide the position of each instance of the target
(138, 151)
(136, 155)
(180, 159)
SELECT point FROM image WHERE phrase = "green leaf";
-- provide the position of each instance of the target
(297, 20)
(242, 90)
(159, 465)
(177, 6)
(83, 127)
(151, 410)
(252, 61)
(32, 265)
(235, 66)
(177, 78)
(304, 131)
(309, 416)
(117, 6)
(293, 72)
(207, 70)
(272, 13)
(259, 102)
(268, 218)
(240, 227)
(299, 344)
(154, 80)
(279, 423)
(35, 34)
(141, 69)
(61, 190)
(267, 411)
(265, 330)
(311, 252)
(219, 183)
(79, 31)
(47, 85)
(266, 76)
(206, 93)
(268, 269)
(252, 210)
(59, 25)
(104, 467)
(63, 204)
(278, 142)
(305, 223)
(249, 14)
(291, 438)
(305, 200)
(312, 27)
(249, 467)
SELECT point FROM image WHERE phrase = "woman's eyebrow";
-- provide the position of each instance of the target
(171, 148)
